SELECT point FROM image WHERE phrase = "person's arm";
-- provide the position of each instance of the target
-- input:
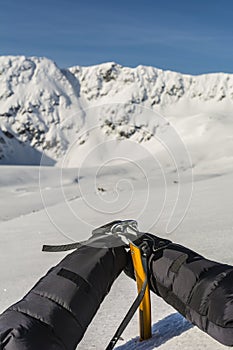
(200, 289)
(58, 309)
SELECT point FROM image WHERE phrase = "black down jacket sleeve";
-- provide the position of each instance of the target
(200, 289)
(57, 310)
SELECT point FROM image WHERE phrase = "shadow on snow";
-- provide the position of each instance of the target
(162, 331)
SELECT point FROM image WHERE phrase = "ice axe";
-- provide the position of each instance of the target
(128, 230)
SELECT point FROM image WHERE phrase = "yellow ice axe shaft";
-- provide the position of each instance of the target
(145, 305)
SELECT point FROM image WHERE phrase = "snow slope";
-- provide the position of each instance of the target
(66, 112)
(26, 225)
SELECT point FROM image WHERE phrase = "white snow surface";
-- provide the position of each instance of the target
(26, 224)
(125, 143)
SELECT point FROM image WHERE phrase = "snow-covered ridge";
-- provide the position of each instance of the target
(153, 85)
(46, 109)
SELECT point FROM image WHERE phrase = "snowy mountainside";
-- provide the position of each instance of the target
(57, 111)
(35, 98)
(150, 85)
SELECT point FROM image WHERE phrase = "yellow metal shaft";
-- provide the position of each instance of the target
(145, 306)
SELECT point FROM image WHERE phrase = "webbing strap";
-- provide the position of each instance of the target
(62, 247)
(128, 316)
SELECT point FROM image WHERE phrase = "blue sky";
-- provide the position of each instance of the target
(182, 35)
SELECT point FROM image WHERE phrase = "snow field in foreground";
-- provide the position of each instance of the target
(25, 226)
